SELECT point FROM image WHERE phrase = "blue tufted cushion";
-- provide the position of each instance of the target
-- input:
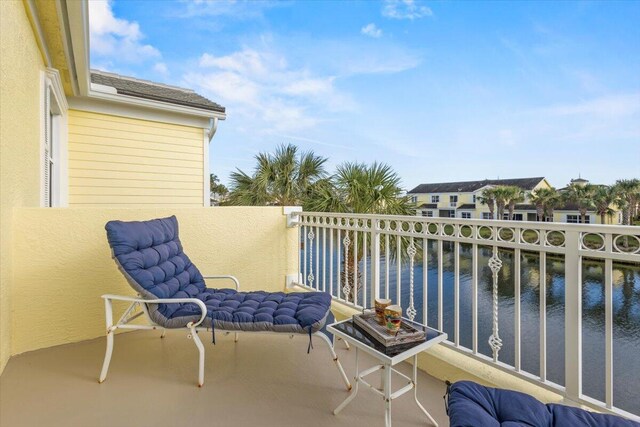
(473, 405)
(150, 255)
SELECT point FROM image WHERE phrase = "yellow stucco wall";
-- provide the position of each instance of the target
(62, 263)
(20, 67)
(122, 162)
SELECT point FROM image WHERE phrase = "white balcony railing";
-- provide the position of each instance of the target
(467, 277)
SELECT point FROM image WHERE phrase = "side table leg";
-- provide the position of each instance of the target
(353, 393)
(386, 372)
(415, 391)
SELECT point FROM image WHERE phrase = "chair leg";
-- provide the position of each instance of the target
(164, 332)
(235, 338)
(196, 339)
(107, 358)
(108, 311)
(335, 359)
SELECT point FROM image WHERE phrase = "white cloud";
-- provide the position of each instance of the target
(262, 88)
(161, 68)
(115, 37)
(371, 30)
(405, 9)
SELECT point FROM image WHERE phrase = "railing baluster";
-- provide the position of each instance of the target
(411, 251)
(495, 264)
(398, 270)
(339, 261)
(375, 261)
(355, 282)
(440, 279)
(324, 259)
(386, 270)
(304, 253)
(516, 308)
(317, 281)
(456, 294)
(425, 281)
(331, 261)
(608, 324)
(543, 316)
(474, 298)
(364, 269)
(573, 316)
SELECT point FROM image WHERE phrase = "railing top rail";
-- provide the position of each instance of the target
(552, 226)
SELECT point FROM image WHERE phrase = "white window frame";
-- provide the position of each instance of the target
(435, 199)
(577, 219)
(486, 215)
(414, 199)
(474, 198)
(465, 215)
(54, 181)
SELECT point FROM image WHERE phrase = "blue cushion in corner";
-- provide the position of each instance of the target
(474, 405)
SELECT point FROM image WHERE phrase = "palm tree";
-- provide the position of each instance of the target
(364, 189)
(582, 196)
(487, 197)
(283, 178)
(542, 198)
(603, 198)
(628, 194)
(553, 201)
(502, 195)
(517, 196)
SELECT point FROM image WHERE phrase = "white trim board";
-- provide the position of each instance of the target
(104, 106)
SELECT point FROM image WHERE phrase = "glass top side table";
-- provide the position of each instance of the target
(388, 357)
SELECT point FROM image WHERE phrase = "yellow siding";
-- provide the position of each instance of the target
(20, 68)
(126, 162)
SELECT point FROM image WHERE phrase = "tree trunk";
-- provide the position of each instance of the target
(540, 212)
(583, 216)
(602, 215)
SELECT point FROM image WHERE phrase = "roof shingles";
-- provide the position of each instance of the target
(154, 91)
(471, 186)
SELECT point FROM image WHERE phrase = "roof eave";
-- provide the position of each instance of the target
(159, 105)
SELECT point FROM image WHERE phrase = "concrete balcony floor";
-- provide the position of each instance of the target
(263, 380)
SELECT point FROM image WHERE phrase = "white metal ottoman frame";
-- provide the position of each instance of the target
(193, 327)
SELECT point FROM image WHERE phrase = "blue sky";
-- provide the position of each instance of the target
(442, 91)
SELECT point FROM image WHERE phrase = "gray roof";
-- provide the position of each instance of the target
(154, 91)
(428, 206)
(467, 206)
(471, 186)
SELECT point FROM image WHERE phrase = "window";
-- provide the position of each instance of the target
(452, 214)
(53, 190)
(474, 198)
(435, 199)
(453, 201)
(465, 215)
(427, 213)
(414, 199)
(486, 215)
(575, 219)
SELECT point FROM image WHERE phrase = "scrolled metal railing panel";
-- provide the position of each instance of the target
(393, 243)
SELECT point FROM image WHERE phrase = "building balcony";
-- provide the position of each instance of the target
(560, 301)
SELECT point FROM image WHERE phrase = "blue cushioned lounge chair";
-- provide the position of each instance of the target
(172, 294)
(473, 405)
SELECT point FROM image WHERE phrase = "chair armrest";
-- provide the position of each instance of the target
(233, 278)
(199, 303)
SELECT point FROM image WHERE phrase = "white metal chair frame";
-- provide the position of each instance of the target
(193, 327)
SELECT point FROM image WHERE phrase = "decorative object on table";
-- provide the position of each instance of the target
(368, 324)
(381, 305)
(393, 318)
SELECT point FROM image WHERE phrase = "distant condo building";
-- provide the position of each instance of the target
(462, 200)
